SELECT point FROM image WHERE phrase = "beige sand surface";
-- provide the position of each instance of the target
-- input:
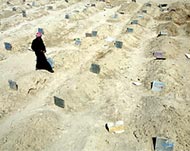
(29, 119)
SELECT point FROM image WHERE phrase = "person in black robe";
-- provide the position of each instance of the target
(39, 48)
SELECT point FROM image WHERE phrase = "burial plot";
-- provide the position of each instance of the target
(13, 85)
(8, 46)
(118, 44)
(95, 68)
(159, 55)
(59, 102)
(134, 22)
(157, 86)
(162, 144)
(117, 127)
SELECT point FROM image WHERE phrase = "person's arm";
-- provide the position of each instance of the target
(43, 47)
(33, 46)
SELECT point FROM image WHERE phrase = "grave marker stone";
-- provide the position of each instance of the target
(117, 127)
(157, 86)
(95, 68)
(122, 12)
(159, 55)
(8, 46)
(41, 30)
(67, 16)
(129, 30)
(162, 5)
(140, 16)
(163, 144)
(115, 15)
(59, 102)
(14, 9)
(144, 11)
(88, 34)
(51, 62)
(23, 13)
(148, 4)
(187, 55)
(13, 85)
(49, 7)
(33, 3)
(162, 33)
(94, 33)
(77, 41)
(118, 44)
(134, 22)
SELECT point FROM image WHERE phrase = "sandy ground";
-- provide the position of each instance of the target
(29, 119)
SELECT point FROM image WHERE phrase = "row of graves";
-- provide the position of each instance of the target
(23, 10)
(158, 143)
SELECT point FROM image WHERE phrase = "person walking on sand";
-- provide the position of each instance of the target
(39, 48)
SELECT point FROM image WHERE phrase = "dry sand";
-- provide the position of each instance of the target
(29, 119)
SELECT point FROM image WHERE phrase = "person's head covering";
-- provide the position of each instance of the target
(38, 34)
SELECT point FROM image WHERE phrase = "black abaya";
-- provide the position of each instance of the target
(39, 48)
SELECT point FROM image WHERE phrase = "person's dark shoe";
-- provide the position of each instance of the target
(51, 71)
